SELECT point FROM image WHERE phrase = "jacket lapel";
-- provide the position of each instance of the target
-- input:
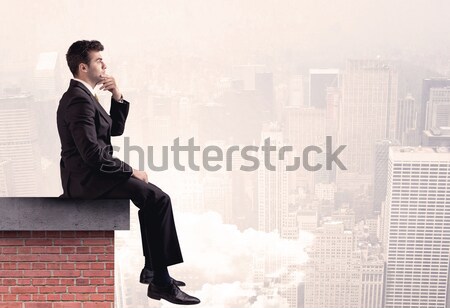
(93, 101)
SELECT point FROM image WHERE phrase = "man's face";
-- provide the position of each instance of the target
(96, 67)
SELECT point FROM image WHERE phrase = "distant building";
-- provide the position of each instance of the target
(417, 232)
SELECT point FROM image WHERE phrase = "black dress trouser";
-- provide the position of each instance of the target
(158, 232)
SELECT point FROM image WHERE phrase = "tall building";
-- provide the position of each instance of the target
(417, 232)
(380, 173)
(304, 126)
(319, 81)
(438, 108)
(427, 85)
(19, 143)
(333, 277)
(372, 276)
(272, 186)
(368, 112)
(407, 120)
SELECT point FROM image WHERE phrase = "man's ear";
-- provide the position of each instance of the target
(83, 67)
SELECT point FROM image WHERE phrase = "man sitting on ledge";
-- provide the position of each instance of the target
(89, 171)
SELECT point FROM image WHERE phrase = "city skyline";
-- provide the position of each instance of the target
(231, 75)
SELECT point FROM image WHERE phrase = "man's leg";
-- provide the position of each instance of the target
(159, 237)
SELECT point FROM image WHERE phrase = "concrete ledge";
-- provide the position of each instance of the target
(58, 214)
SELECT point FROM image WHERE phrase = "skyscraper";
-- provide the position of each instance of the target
(272, 186)
(333, 277)
(426, 88)
(438, 108)
(406, 120)
(368, 112)
(319, 81)
(417, 232)
(19, 142)
(380, 173)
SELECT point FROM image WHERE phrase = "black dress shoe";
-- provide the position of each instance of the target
(147, 276)
(171, 293)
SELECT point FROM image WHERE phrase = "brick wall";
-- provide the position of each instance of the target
(57, 269)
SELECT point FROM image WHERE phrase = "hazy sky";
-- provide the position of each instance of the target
(320, 27)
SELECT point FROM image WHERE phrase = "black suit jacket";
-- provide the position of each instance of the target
(88, 168)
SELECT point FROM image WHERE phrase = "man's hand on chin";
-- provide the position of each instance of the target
(140, 175)
(109, 84)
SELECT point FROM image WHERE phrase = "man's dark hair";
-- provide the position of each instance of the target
(79, 53)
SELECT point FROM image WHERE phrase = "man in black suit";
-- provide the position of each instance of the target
(89, 171)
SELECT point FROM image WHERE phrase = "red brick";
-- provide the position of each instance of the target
(24, 282)
(97, 242)
(9, 297)
(24, 289)
(53, 289)
(39, 281)
(52, 282)
(24, 258)
(9, 282)
(37, 249)
(4, 289)
(38, 305)
(38, 234)
(67, 305)
(53, 297)
(67, 281)
(24, 266)
(24, 297)
(9, 274)
(81, 266)
(53, 234)
(85, 289)
(66, 273)
(82, 282)
(82, 258)
(83, 250)
(105, 289)
(11, 242)
(97, 266)
(52, 258)
(39, 297)
(10, 305)
(98, 305)
(9, 250)
(67, 266)
(24, 250)
(68, 297)
(97, 273)
(39, 266)
(68, 234)
(67, 242)
(97, 297)
(5, 258)
(9, 266)
(68, 250)
(97, 249)
(81, 297)
(97, 281)
(109, 297)
(109, 281)
(109, 249)
(100, 234)
(106, 257)
(38, 242)
(109, 265)
(38, 273)
(54, 266)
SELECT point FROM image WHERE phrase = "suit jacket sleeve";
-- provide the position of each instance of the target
(80, 118)
(118, 113)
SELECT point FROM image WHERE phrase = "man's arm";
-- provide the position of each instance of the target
(118, 113)
(80, 119)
